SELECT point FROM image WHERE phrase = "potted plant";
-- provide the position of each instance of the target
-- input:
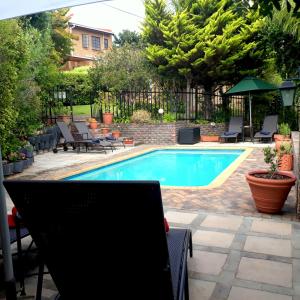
(210, 137)
(286, 157)
(17, 161)
(62, 113)
(284, 134)
(116, 133)
(8, 168)
(128, 141)
(271, 187)
(93, 123)
(108, 103)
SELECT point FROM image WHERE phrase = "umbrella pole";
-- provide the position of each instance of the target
(9, 279)
(250, 115)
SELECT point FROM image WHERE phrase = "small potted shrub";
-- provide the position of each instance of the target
(284, 134)
(210, 137)
(15, 158)
(286, 156)
(93, 124)
(8, 168)
(271, 187)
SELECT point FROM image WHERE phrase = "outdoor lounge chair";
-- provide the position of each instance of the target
(268, 129)
(77, 140)
(235, 129)
(114, 229)
(83, 129)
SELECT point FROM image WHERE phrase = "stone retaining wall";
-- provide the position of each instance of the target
(161, 134)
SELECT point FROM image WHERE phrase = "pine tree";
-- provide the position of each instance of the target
(209, 42)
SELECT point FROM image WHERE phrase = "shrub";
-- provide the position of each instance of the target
(284, 129)
(141, 116)
(169, 118)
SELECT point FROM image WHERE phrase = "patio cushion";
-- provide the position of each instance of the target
(167, 227)
(230, 132)
(265, 132)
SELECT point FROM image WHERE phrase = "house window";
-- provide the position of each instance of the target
(105, 43)
(95, 43)
(85, 40)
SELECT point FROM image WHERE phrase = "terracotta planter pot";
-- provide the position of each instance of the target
(116, 134)
(269, 194)
(278, 142)
(107, 118)
(210, 138)
(104, 130)
(280, 137)
(94, 125)
(286, 162)
(128, 142)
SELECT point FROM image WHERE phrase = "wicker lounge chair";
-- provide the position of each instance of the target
(268, 129)
(133, 257)
(83, 129)
(78, 140)
(235, 129)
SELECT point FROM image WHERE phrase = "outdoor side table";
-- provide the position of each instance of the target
(189, 135)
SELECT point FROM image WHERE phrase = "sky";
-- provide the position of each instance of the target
(115, 15)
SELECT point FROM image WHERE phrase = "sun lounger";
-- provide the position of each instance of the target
(268, 129)
(78, 140)
(235, 129)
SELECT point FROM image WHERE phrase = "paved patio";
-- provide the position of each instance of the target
(235, 258)
(238, 252)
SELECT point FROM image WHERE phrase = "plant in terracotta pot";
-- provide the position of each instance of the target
(284, 134)
(286, 156)
(108, 104)
(271, 187)
(93, 124)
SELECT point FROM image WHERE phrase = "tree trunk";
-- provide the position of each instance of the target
(208, 103)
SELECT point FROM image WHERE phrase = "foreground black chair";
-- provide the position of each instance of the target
(114, 229)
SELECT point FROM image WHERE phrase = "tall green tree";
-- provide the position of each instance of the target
(209, 43)
(124, 68)
(55, 23)
(281, 36)
(11, 62)
(127, 37)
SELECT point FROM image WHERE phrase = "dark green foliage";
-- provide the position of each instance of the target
(127, 37)
(124, 68)
(281, 37)
(266, 6)
(11, 57)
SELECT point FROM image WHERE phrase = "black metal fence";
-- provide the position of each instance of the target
(195, 105)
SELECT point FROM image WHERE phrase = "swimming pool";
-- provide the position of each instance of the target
(172, 167)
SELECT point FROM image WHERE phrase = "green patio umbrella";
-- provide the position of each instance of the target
(250, 85)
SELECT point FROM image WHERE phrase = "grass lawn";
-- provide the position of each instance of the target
(82, 110)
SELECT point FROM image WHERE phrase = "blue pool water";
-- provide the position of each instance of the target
(170, 167)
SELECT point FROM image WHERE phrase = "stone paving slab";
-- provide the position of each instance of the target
(270, 227)
(212, 238)
(266, 271)
(268, 245)
(238, 293)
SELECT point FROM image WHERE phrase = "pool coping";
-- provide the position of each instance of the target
(218, 181)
